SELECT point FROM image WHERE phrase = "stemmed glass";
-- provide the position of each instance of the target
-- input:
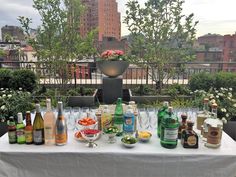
(152, 114)
(143, 119)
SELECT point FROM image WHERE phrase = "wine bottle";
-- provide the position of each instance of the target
(61, 128)
(20, 129)
(28, 129)
(38, 127)
(12, 130)
(49, 124)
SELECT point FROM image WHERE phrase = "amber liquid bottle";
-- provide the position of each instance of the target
(189, 137)
(183, 125)
(38, 128)
(28, 129)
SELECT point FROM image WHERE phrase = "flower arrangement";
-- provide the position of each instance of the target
(14, 101)
(223, 97)
(113, 55)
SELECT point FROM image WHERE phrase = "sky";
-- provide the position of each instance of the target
(214, 16)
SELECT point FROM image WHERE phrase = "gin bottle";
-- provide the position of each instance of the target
(169, 130)
(161, 113)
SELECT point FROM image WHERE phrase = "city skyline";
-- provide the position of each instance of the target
(214, 17)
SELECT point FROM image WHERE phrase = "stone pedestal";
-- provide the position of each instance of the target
(111, 89)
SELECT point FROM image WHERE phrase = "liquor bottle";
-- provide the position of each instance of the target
(189, 138)
(20, 129)
(49, 124)
(12, 130)
(61, 128)
(169, 130)
(129, 121)
(203, 115)
(38, 128)
(106, 118)
(118, 117)
(214, 129)
(183, 125)
(99, 119)
(161, 113)
(28, 129)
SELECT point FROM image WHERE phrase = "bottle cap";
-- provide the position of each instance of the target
(48, 100)
(19, 117)
(131, 102)
(184, 116)
(166, 103)
(27, 112)
(214, 105)
(206, 100)
(11, 118)
(37, 106)
(170, 109)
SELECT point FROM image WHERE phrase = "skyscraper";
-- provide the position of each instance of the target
(103, 15)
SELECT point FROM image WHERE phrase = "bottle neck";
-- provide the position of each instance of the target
(214, 112)
(190, 128)
(60, 111)
(28, 119)
(205, 107)
(49, 107)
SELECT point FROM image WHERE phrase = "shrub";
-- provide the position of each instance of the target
(24, 79)
(201, 81)
(226, 80)
(5, 78)
(177, 89)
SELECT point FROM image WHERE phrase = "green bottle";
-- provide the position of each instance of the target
(169, 130)
(161, 113)
(20, 129)
(118, 117)
(12, 131)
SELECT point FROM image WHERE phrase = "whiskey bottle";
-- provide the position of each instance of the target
(183, 125)
(189, 138)
(203, 115)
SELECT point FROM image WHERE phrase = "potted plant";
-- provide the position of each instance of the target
(112, 63)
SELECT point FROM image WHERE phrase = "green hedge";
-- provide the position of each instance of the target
(24, 79)
(5, 78)
(205, 81)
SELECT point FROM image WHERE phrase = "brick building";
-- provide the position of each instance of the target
(102, 15)
(14, 31)
(211, 41)
(229, 52)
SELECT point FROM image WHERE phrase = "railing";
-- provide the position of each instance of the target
(87, 74)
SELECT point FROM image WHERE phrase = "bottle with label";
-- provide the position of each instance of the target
(49, 124)
(99, 119)
(118, 117)
(129, 121)
(106, 118)
(203, 115)
(189, 138)
(135, 111)
(161, 113)
(28, 129)
(183, 125)
(12, 130)
(61, 128)
(213, 129)
(38, 127)
(169, 130)
(20, 129)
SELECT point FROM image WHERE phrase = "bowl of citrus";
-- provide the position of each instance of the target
(144, 136)
(129, 141)
(86, 123)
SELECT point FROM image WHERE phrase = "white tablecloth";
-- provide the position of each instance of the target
(114, 160)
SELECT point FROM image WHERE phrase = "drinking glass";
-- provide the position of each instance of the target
(69, 118)
(152, 114)
(143, 119)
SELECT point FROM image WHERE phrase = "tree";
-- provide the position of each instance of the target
(58, 40)
(161, 34)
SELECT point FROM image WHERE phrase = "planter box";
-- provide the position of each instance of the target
(147, 99)
(230, 129)
(3, 128)
(82, 101)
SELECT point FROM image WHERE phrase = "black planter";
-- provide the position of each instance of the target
(3, 128)
(147, 99)
(230, 129)
(82, 101)
(112, 68)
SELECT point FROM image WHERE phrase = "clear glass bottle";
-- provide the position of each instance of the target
(129, 121)
(12, 131)
(169, 130)
(183, 125)
(203, 115)
(49, 124)
(161, 113)
(118, 117)
(61, 128)
(20, 129)
(38, 127)
(106, 118)
(28, 129)
(189, 138)
(134, 107)
(213, 129)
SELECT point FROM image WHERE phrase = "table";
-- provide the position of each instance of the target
(113, 160)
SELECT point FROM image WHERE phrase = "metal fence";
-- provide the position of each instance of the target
(75, 74)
